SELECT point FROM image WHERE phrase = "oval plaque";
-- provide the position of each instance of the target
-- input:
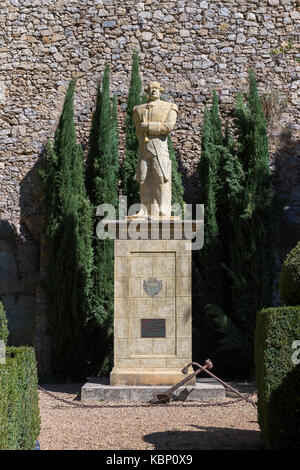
(152, 286)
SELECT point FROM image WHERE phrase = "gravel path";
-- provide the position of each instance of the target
(155, 428)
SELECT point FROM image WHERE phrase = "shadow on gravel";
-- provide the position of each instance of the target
(70, 388)
(206, 438)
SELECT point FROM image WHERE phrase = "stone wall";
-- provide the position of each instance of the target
(191, 47)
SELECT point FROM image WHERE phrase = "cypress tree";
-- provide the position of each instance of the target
(68, 234)
(130, 187)
(102, 181)
(177, 187)
(246, 229)
(207, 270)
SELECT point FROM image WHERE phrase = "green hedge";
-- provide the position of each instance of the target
(19, 412)
(289, 282)
(277, 377)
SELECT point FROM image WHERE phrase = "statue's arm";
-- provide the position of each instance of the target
(157, 128)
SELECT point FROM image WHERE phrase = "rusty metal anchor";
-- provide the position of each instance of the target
(160, 398)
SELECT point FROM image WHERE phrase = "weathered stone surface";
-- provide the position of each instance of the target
(150, 276)
(99, 389)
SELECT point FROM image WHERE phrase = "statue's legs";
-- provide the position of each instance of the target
(156, 194)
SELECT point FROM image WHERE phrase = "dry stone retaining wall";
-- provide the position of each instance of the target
(191, 47)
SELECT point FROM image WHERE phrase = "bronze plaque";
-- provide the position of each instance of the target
(153, 328)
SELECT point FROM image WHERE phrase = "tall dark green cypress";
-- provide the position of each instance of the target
(68, 233)
(130, 187)
(177, 187)
(102, 181)
(245, 219)
(207, 269)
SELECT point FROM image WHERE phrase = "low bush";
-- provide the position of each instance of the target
(289, 283)
(277, 373)
(19, 412)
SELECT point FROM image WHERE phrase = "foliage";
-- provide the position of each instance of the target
(4, 333)
(208, 287)
(102, 184)
(177, 187)
(236, 264)
(278, 377)
(19, 411)
(68, 233)
(130, 187)
(289, 283)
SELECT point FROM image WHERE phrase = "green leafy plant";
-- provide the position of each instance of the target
(277, 377)
(102, 183)
(235, 266)
(130, 187)
(68, 232)
(19, 411)
(289, 282)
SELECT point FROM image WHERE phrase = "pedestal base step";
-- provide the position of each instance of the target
(99, 389)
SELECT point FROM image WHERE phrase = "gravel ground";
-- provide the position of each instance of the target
(128, 427)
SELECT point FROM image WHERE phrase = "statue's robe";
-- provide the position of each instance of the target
(161, 118)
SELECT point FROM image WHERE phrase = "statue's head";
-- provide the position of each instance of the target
(153, 91)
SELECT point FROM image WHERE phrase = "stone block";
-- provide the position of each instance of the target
(142, 346)
(164, 307)
(183, 286)
(121, 266)
(121, 287)
(141, 266)
(121, 328)
(183, 266)
(121, 307)
(121, 348)
(164, 266)
(171, 286)
(184, 327)
(141, 308)
(183, 306)
(184, 347)
(135, 288)
(164, 346)
(153, 363)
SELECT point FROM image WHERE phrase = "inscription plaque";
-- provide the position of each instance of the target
(153, 328)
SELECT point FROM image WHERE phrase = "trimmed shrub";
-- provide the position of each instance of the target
(278, 377)
(19, 411)
(289, 283)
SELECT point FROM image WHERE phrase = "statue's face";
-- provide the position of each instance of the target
(154, 92)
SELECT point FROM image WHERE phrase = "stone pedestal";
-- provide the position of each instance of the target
(152, 308)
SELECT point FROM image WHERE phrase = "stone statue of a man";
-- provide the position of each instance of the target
(154, 121)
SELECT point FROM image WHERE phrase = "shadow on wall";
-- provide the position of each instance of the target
(20, 262)
(287, 187)
(206, 438)
(287, 167)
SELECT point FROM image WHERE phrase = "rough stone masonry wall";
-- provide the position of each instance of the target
(191, 47)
